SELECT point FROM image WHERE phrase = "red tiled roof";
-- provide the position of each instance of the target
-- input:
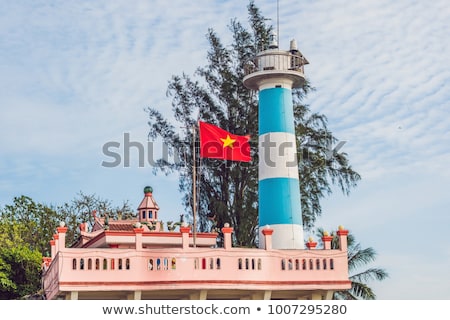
(121, 227)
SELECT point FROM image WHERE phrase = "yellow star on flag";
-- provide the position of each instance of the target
(228, 142)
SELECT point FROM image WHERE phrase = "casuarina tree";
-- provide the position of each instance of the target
(227, 191)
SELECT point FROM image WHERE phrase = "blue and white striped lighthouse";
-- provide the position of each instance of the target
(274, 73)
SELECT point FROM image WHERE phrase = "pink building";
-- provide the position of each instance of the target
(139, 259)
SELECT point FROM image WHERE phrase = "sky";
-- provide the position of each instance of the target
(76, 75)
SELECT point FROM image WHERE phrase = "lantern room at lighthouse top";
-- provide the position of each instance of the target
(275, 65)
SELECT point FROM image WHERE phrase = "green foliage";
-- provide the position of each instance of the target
(23, 271)
(228, 190)
(81, 210)
(20, 265)
(33, 223)
(26, 227)
(358, 258)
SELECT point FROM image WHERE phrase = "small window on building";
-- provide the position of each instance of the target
(290, 264)
(246, 264)
(74, 264)
(324, 264)
(105, 264)
(317, 264)
(253, 264)
(150, 214)
(81, 264)
(158, 264)
(166, 264)
(311, 264)
(97, 264)
(259, 264)
(331, 264)
(211, 263)
(196, 263)
(304, 264)
(120, 264)
(143, 214)
(297, 264)
(112, 266)
(127, 264)
(240, 263)
(89, 264)
(283, 264)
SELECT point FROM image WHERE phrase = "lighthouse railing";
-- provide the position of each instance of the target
(276, 60)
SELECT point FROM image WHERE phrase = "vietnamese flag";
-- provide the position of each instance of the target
(221, 144)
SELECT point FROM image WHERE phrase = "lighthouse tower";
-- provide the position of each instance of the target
(274, 73)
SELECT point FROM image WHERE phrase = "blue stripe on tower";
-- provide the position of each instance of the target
(282, 207)
(279, 189)
(276, 111)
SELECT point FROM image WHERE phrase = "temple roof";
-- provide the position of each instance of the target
(148, 202)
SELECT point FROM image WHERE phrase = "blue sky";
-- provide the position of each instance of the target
(75, 75)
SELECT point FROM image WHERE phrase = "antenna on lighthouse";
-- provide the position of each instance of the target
(275, 36)
(278, 20)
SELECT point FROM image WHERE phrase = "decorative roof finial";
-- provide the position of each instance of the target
(148, 189)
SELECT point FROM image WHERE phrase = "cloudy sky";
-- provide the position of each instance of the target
(75, 75)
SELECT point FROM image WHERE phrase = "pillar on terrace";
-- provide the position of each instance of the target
(326, 239)
(62, 229)
(185, 236)
(56, 238)
(53, 248)
(342, 234)
(267, 232)
(311, 244)
(227, 230)
(138, 230)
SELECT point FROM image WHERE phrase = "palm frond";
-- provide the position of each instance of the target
(370, 274)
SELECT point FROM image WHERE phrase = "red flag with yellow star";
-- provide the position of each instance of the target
(220, 144)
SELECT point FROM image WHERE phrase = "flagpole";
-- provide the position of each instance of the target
(194, 189)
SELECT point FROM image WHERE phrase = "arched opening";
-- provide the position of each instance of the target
(218, 263)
